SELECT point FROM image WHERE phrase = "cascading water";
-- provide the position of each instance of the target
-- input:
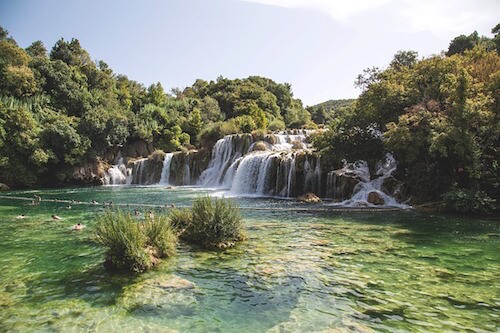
(225, 153)
(117, 174)
(279, 165)
(371, 187)
(165, 171)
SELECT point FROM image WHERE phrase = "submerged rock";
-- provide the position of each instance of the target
(309, 198)
(166, 295)
(375, 198)
(4, 187)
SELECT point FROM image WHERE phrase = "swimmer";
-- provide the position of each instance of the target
(94, 202)
(68, 207)
(22, 216)
(78, 226)
(151, 215)
(136, 212)
(55, 217)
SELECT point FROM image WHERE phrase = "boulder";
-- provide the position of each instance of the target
(297, 145)
(309, 198)
(259, 146)
(4, 187)
(375, 198)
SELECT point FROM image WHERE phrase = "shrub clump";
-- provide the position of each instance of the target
(133, 245)
(467, 201)
(179, 219)
(212, 223)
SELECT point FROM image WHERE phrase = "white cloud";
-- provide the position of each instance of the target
(437, 16)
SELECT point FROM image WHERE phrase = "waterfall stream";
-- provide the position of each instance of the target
(117, 174)
(165, 171)
(281, 164)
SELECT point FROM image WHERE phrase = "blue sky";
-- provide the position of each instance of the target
(319, 46)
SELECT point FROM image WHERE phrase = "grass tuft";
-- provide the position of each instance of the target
(134, 245)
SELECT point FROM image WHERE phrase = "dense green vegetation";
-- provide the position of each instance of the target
(134, 245)
(212, 223)
(439, 116)
(325, 112)
(60, 109)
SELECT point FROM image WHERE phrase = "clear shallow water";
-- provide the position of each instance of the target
(297, 271)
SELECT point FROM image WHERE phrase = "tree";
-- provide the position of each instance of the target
(195, 123)
(496, 39)
(16, 78)
(404, 59)
(156, 95)
(462, 43)
(210, 110)
(71, 53)
(37, 49)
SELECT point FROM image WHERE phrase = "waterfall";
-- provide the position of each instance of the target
(251, 174)
(312, 175)
(165, 171)
(187, 172)
(281, 164)
(367, 186)
(117, 174)
(225, 152)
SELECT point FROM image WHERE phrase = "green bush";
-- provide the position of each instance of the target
(160, 236)
(245, 123)
(180, 218)
(133, 245)
(213, 132)
(276, 125)
(214, 223)
(467, 201)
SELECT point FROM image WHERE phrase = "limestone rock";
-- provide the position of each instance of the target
(309, 198)
(375, 198)
(259, 146)
(89, 173)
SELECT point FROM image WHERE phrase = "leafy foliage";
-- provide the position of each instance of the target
(71, 110)
(466, 201)
(133, 245)
(211, 222)
(439, 116)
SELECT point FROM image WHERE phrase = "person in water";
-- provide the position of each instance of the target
(151, 215)
(55, 217)
(22, 216)
(78, 226)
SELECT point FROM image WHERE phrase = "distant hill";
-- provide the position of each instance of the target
(322, 113)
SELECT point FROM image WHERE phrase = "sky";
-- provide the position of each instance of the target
(319, 46)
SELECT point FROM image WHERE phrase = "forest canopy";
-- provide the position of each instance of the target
(60, 109)
(439, 116)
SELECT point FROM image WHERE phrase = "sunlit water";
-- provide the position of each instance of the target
(297, 271)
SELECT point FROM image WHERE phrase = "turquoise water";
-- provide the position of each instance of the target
(296, 272)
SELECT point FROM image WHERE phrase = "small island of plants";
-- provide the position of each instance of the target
(138, 245)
